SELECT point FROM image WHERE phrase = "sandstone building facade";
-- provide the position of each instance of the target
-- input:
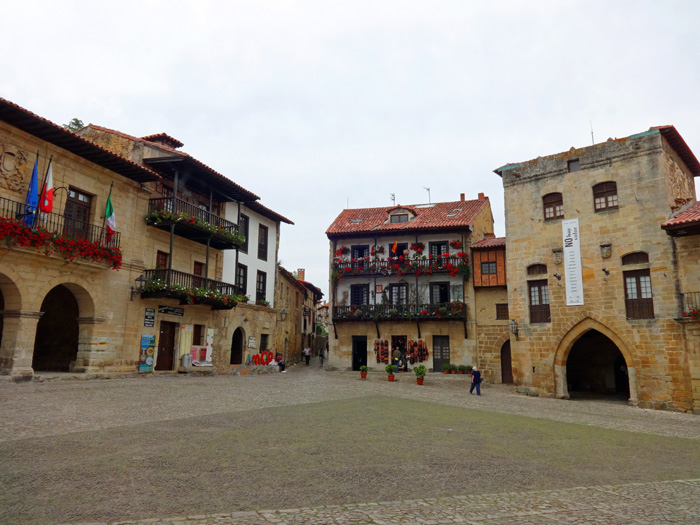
(597, 289)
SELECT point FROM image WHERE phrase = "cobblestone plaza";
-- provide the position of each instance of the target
(42, 418)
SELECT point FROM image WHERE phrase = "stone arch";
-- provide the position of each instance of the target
(79, 289)
(11, 296)
(238, 346)
(566, 343)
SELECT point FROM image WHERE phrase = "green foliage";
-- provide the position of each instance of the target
(390, 369)
(364, 368)
(74, 125)
(420, 371)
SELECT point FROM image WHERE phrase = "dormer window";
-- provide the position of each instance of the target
(399, 217)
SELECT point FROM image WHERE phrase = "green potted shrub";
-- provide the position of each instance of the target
(446, 368)
(463, 369)
(363, 371)
(420, 371)
(390, 369)
(469, 369)
(453, 369)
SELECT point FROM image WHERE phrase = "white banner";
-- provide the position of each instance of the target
(572, 262)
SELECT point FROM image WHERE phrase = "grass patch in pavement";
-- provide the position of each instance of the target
(368, 449)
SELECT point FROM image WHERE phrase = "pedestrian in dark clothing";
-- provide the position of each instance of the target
(476, 382)
(307, 354)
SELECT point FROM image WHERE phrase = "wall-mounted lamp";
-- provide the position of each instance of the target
(514, 328)
(283, 315)
(557, 276)
(135, 290)
(606, 271)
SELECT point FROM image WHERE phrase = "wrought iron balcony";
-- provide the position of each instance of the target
(189, 289)
(193, 223)
(400, 312)
(397, 266)
(60, 225)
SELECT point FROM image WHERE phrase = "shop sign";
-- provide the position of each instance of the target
(252, 342)
(171, 310)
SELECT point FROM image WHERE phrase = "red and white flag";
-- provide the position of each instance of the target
(46, 197)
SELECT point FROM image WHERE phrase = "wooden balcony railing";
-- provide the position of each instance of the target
(193, 223)
(400, 312)
(189, 289)
(60, 224)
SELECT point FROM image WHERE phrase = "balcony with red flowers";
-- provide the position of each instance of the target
(189, 289)
(193, 223)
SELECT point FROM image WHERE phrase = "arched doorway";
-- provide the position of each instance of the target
(506, 364)
(595, 367)
(237, 347)
(56, 342)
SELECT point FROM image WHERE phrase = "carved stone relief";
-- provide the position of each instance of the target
(12, 163)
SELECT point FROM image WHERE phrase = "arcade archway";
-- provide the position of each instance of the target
(56, 342)
(237, 347)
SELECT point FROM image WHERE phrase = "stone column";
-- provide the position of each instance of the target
(18, 335)
(562, 391)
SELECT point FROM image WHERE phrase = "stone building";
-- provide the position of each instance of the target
(289, 297)
(64, 308)
(596, 288)
(400, 281)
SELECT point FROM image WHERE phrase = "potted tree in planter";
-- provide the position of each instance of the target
(446, 368)
(390, 369)
(453, 369)
(420, 371)
(463, 369)
(363, 372)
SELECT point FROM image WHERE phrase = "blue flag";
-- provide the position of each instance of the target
(32, 195)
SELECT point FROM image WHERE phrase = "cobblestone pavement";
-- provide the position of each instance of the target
(662, 502)
(62, 404)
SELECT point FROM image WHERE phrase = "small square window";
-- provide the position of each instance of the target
(574, 165)
(502, 311)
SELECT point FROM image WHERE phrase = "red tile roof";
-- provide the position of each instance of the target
(46, 130)
(165, 139)
(440, 215)
(492, 242)
(684, 218)
(315, 290)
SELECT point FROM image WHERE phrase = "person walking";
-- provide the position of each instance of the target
(307, 354)
(476, 381)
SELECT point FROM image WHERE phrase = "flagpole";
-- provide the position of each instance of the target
(43, 186)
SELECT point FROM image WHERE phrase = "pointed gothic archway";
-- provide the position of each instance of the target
(506, 364)
(596, 367)
(591, 358)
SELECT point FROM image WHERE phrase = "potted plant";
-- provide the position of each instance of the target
(463, 369)
(390, 369)
(453, 369)
(446, 368)
(363, 372)
(469, 369)
(420, 371)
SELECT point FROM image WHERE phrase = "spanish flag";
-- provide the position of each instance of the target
(393, 248)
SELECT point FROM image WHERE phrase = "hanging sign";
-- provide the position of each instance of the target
(572, 262)
(149, 318)
(171, 310)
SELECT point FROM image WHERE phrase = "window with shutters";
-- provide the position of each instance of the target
(262, 242)
(398, 293)
(488, 268)
(639, 303)
(77, 213)
(359, 294)
(605, 196)
(538, 292)
(553, 205)
(260, 285)
(243, 228)
(439, 293)
(242, 279)
(502, 311)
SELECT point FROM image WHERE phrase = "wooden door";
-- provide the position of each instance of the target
(166, 346)
(441, 352)
(77, 214)
(198, 270)
(506, 364)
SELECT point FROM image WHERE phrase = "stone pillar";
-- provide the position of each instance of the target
(562, 390)
(94, 353)
(18, 335)
(632, 378)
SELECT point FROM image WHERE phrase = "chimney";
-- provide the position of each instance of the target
(489, 236)
(461, 197)
(301, 274)
(481, 196)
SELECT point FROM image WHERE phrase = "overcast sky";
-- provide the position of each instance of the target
(314, 105)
